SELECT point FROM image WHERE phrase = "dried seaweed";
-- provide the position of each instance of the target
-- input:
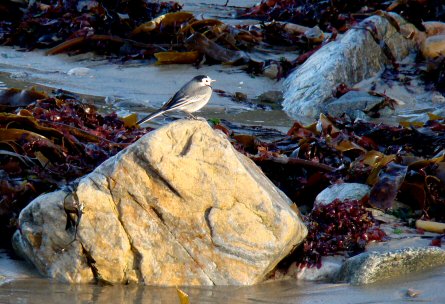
(343, 14)
(48, 23)
(146, 30)
(391, 159)
(403, 163)
(47, 142)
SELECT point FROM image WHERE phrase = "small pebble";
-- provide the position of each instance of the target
(79, 72)
(412, 293)
(239, 96)
(437, 98)
(271, 71)
(271, 97)
(18, 75)
(110, 100)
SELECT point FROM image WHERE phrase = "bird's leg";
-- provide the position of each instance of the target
(197, 118)
(191, 116)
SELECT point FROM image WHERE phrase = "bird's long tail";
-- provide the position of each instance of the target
(151, 116)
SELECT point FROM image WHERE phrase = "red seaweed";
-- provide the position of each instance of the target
(339, 228)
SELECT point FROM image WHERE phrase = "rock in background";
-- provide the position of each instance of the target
(349, 60)
(370, 267)
(179, 207)
(342, 192)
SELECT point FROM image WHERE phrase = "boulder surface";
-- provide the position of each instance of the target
(179, 207)
(357, 55)
(371, 267)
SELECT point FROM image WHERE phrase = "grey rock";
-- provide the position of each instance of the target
(330, 266)
(79, 71)
(352, 102)
(344, 191)
(314, 34)
(370, 267)
(270, 97)
(271, 71)
(438, 98)
(352, 58)
(19, 75)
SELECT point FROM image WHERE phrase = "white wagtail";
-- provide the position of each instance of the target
(190, 98)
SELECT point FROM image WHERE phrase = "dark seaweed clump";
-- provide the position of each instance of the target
(404, 163)
(337, 228)
(342, 14)
(46, 142)
(47, 23)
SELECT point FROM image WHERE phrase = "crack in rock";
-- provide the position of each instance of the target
(137, 256)
(157, 175)
(187, 146)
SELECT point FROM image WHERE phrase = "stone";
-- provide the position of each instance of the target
(370, 267)
(19, 75)
(314, 34)
(271, 71)
(350, 59)
(80, 71)
(342, 192)
(330, 266)
(179, 207)
(270, 97)
(438, 98)
(434, 28)
(433, 47)
(351, 102)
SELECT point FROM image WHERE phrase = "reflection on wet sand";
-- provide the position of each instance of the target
(39, 290)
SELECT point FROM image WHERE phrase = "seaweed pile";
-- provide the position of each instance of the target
(47, 142)
(340, 227)
(343, 14)
(47, 23)
(394, 160)
(140, 29)
(404, 163)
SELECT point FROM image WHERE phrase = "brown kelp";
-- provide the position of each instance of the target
(46, 142)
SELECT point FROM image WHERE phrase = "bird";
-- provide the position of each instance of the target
(190, 98)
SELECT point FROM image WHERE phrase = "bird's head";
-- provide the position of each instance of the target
(204, 80)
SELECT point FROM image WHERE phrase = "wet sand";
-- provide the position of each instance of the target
(428, 285)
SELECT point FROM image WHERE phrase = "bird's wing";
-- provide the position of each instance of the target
(187, 100)
(180, 99)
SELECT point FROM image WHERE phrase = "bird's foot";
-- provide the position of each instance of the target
(191, 116)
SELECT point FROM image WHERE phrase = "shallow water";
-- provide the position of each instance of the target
(138, 86)
(429, 285)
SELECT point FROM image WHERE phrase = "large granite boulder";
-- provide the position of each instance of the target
(357, 55)
(179, 207)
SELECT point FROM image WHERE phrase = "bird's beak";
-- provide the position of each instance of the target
(212, 80)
